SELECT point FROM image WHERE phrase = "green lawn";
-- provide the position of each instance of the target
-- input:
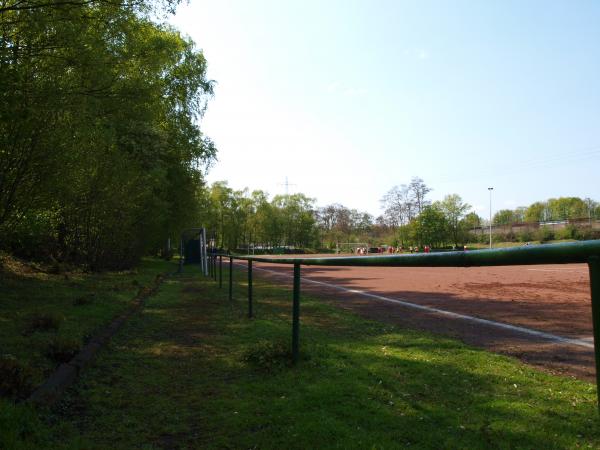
(192, 371)
(515, 244)
(38, 308)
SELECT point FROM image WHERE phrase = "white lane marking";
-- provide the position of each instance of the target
(506, 326)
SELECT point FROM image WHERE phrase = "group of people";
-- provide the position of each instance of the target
(400, 249)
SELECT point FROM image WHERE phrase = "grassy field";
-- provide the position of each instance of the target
(42, 314)
(192, 371)
(515, 244)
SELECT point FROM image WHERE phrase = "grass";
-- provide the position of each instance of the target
(40, 312)
(478, 245)
(192, 371)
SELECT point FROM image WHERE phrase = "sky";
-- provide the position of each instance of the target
(350, 98)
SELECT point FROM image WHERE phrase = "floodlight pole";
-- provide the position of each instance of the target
(490, 189)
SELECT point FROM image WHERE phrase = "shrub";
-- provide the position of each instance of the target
(525, 236)
(545, 234)
(568, 232)
(61, 349)
(43, 322)
(589, 234)
(268, 356)
(16, 378)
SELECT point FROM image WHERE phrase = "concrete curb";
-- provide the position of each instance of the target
(49, 392)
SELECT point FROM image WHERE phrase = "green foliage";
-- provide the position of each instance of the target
(431, 227)
(545, 234)
(525, 236)
(16, 378)
(454, 211)
(504, 217)
(568, 232)
(101, 156)
(242, 220)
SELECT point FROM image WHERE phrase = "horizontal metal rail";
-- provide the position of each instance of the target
(563, 253)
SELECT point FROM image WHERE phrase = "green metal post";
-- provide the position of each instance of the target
(230, 278)
(594, 265)
(220, 271)
(296, 315)
(214, 260)
(250, 288)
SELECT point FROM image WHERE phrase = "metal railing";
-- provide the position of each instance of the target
(563, 253)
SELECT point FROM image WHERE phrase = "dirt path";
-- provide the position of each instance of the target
(551, 299)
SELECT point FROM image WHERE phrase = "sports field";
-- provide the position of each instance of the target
(541, 314)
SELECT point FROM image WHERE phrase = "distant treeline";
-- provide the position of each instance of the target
(101, 156)
(554, 209)
(243, 219)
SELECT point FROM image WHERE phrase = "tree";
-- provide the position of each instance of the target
(454, 210)
(565, 208)
(472, 221)
(99, 136)
(419, 191)
(504, 217)
(537, 212)
(402, 203)
(430, 227)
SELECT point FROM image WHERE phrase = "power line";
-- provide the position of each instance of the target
(287, 185)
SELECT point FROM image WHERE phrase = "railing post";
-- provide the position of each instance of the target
(594, 265)
(296, 315)
(230, 278)
(215, 267)
(220, 271)
(250, 288)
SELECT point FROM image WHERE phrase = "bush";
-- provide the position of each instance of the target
(62, 349)
(568, 232)
(16, 378)
(32, 238)
(525, 236)
(588, 234)
(268, 356)
(43, 322)
(545, 234)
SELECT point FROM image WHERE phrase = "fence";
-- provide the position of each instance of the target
(564, 253)
(519, 227)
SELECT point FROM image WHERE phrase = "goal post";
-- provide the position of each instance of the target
(349, 247)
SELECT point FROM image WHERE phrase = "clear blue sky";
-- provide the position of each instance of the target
(349, 98)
